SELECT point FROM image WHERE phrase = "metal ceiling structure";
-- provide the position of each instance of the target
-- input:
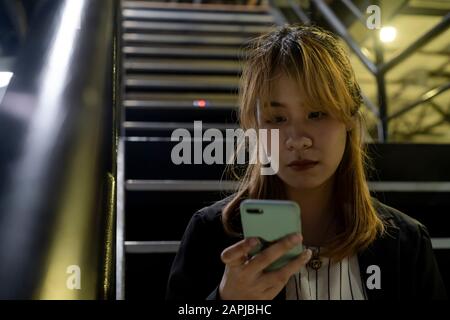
(415, 68)
(405, 82)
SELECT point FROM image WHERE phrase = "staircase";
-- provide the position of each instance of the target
(181, 63)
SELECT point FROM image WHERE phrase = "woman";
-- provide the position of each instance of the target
(299, 80)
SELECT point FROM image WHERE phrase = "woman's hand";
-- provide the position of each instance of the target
(245, 279)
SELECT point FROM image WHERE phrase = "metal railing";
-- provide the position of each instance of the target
(58, 132)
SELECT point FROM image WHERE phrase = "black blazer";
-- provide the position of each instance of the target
(405, 258)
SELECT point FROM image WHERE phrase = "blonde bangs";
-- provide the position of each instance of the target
(317, 74)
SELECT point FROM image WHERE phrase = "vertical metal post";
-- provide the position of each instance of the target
(381, 88)
(382, 97)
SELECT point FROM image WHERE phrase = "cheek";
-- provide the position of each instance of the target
(333, 143)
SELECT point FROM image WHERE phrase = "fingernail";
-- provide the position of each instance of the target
(295, 238)
(308, 254)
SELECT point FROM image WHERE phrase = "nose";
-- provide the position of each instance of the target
(298, 140)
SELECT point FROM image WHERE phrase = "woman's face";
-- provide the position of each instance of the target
(304, 135)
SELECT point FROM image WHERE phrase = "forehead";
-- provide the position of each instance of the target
(286, 90)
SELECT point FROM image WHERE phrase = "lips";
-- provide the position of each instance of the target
(302, 165)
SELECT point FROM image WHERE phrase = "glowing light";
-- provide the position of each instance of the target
(388, 34)
(200, 103)
(5, 78)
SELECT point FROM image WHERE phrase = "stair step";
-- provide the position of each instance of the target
(157, 39)
(155, 216)
(202, 7)
(159, 105)
(182, 96)
(165, 129)
(189, 28)
(183, 83)
(157, 111)
(409, 186)
(410, 162)
(440, 243)
(180, 185)
(170, 126)
(151, 160)
(198, 17)
(430, 208)
(151, 246)
(198, 53)
(152, 66)
(146, 276)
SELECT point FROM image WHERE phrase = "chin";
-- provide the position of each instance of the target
(302, 183)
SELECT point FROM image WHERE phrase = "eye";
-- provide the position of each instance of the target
(276, 119)
(316, 115)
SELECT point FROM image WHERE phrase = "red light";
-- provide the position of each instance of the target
(200, 103)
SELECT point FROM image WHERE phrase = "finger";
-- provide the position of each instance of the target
(272, 253)
(280, 277)
(237, 253)
(272, 291)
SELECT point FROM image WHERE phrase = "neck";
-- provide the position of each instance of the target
(316, 212)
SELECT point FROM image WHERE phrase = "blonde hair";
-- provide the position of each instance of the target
(318, 63)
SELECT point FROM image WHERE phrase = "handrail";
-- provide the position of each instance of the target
(425, 97)
(57, 123)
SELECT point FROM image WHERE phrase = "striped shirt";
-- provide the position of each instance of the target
(332, 281)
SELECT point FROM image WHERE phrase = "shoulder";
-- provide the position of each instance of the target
(396, 219)
(207, 222)
(405, 253)
(213, 213)
(201, 245)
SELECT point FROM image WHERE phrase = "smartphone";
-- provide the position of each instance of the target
(271, 220)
